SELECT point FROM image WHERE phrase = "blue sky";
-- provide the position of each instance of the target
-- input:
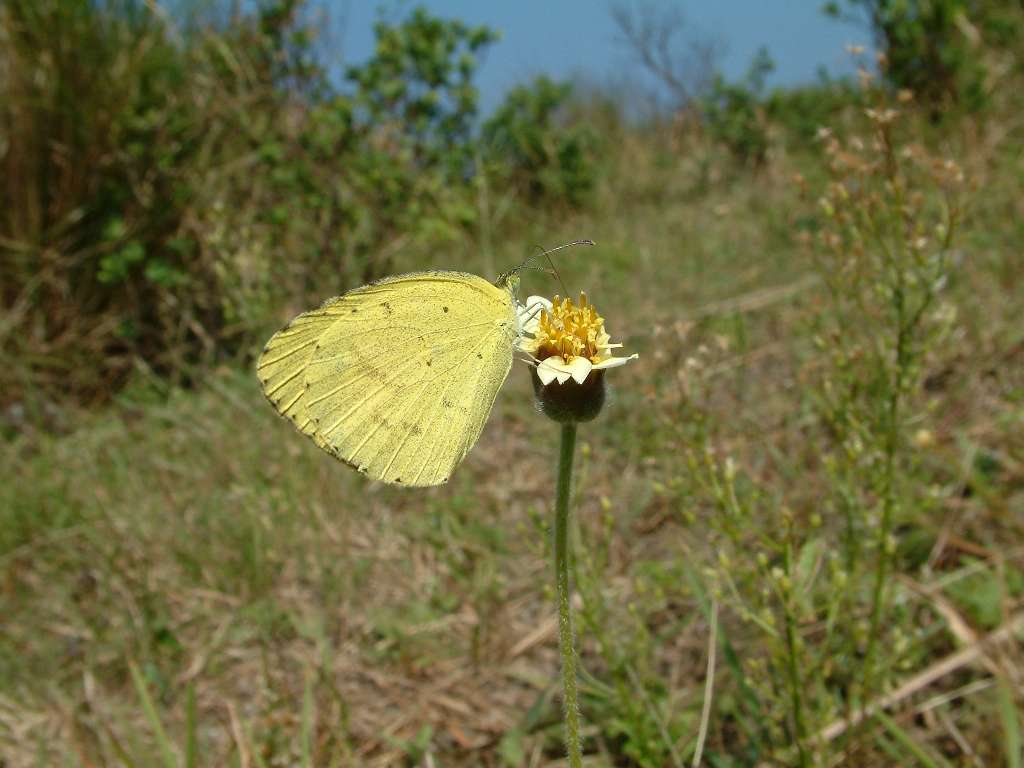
(563, 38)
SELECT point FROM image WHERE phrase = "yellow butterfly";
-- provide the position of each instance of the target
(397, 378)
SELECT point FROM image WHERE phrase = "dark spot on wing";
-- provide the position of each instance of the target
(445, 309)
(354, 311)
(375, 373)
(479, 356)
(447, 403)
(428, 363)
(398, 479)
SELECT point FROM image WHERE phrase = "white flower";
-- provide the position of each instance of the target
(565, 341)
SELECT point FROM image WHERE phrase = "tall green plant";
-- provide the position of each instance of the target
(886, 219)
(891, 211)
(937, 48)
(413, 107)
(418, 84)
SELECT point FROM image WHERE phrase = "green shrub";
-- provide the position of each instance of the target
(939, 49)
(163, 201)
(800, 112)
(365, 169)
(90, 153)
(530, 146)
(733, 114)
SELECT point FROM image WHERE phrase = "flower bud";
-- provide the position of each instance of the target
(569, 402)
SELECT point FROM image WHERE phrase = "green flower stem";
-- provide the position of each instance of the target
(565, 638)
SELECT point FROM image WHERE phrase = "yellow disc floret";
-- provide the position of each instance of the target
(569, 331)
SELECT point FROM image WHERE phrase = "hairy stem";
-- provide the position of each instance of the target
(565, 636)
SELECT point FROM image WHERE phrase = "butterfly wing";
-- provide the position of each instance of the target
(401, 383)
(282, 365)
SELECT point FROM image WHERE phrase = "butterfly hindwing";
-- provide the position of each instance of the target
(282, 365)
(401, 382)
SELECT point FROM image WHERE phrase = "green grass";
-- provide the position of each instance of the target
(184, 580)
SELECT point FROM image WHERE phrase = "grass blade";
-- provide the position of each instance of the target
(191, 740)
(924, 757)
(149, 709)
(308, 716)
(1011, 725)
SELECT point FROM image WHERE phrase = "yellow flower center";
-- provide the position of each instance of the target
(569, 330)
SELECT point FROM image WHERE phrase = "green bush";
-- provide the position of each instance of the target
(354, 173)
(165, 198)
(800, 112)
(531, 147)
(939, 49)
(733, 114)
(90, 156)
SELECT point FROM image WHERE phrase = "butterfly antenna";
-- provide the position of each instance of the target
(553, 271)
(547, 254)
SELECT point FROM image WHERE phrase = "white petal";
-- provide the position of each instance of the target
(554, 368)
(614, 362)
(547, 372)
(580, 367)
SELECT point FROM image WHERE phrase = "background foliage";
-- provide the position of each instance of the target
(162, 202)
(948, 52)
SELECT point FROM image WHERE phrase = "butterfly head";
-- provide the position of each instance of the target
(509, 280)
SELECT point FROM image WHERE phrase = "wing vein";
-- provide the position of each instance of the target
(362, 402)
(444, 393)
(278, 385)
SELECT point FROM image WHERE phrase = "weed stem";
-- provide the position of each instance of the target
(795, 685)
(565, 636)
(892, 444)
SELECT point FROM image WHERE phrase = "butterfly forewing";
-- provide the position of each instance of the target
(401, 383)
(282, 365)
